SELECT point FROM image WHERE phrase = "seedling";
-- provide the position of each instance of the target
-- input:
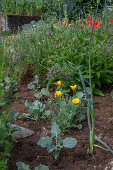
(55, 143)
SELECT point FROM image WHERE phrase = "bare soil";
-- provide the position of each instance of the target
(78, 158)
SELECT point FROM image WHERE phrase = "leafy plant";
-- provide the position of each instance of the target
(34, 85)
(23, 166)
(6, 140)
(35, 109)
(10, 85)
(48, 142)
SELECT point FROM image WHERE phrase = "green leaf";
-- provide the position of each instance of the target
(78, 126)
(42, 167)
(44, 141)
(31, 85)
(98, 75)
(26, 103)
(44, 92)
(79, 94)
(7, 88)
(55, 130)
(24, 115)
(22, 166)
(98, 92)
(7, 79)
(69, 142)
(14, 114)
(36, 79)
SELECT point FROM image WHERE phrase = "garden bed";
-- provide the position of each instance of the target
(27, 150)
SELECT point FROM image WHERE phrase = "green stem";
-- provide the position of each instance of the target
(91, 106)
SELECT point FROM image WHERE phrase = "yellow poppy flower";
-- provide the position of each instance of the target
(59, 83)
(73, 87)
(75, 101)
(58, 93)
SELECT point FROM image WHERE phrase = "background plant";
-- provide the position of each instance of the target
(21, 7)
(62, 43)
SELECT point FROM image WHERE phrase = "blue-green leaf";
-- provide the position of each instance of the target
(44, 92)
(22, 166)
(79, 94)
(42, 167)
(69, 142)
(44, 141)
(14, 114)
(55, 130)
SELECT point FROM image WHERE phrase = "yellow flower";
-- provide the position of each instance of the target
(75, 101)
(59, 83)
(73, 87)
(8, 36)
(7, 42)
(13, 36)
(58, 93)
(50, 101)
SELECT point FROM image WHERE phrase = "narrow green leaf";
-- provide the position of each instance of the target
(98, 92)
(103, 143)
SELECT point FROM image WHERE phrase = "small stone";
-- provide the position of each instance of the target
(23, 132)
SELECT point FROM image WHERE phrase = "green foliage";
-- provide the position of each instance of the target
(23, 166)
(59, 142)
(32, 24)
(21, 7)
(6, 140)
(60, 44)
(10, 85)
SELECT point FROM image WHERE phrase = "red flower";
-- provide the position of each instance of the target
(63, 24)
(97, 23)
(67, 22)
(88, 15)
(110, 21)
(58, 22)
(90, 22)
(104, 26)
(2, 50)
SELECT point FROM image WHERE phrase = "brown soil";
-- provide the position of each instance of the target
(78, 158)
